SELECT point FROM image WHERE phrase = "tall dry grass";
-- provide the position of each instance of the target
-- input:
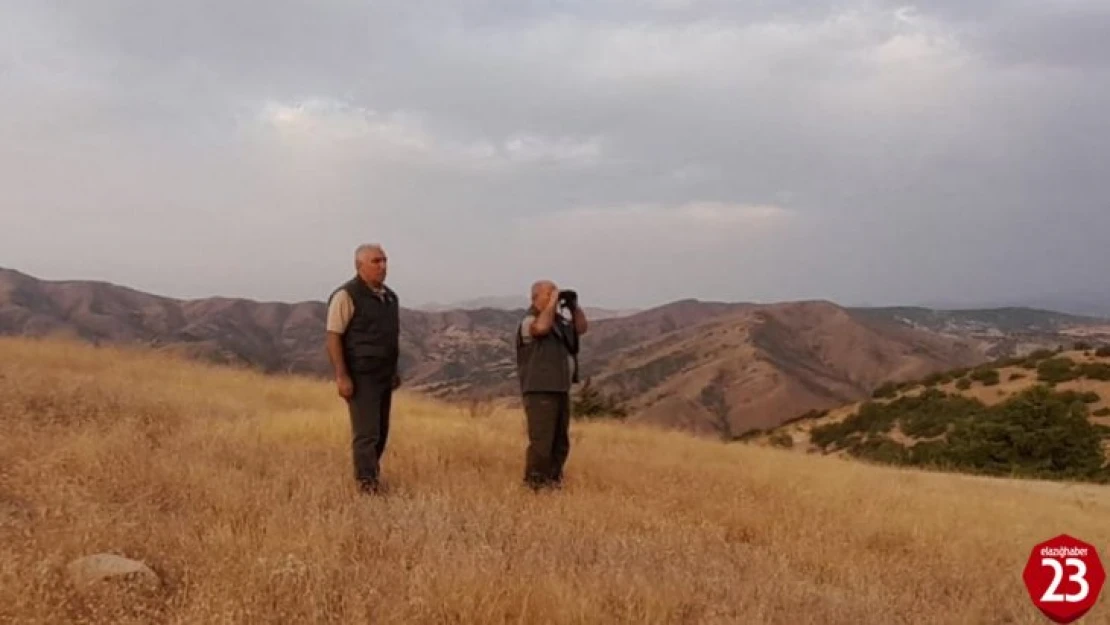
(236, 489)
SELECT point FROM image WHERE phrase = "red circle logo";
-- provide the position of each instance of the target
(1064, 577)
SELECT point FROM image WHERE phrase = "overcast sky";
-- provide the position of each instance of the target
(864, 152)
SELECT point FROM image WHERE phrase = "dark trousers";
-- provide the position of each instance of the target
(369, 408)
(548, 417)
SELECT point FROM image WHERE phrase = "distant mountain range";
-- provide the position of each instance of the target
(1082, 304)
(713, 367)
(510, 302)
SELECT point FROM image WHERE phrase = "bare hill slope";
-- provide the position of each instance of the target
(757, 366)
(234, 488)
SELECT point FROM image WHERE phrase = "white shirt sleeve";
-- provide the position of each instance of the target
(525, 334)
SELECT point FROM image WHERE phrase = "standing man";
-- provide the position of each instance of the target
(546, 346)
(363, 331)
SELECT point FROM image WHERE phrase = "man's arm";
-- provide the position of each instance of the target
(546, 319)
(335, 355)
(340, 311)
(580, 323)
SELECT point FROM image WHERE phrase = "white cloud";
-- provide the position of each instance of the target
(820, 142)
(330, 121)
(642, 224)
(616, 253)
(723, 49)
(530, 148)
(327, 123)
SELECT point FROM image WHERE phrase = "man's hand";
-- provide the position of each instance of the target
(546, 319)
(345, 386)
(580, 323)
(396, 381)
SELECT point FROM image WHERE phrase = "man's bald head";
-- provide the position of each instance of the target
(370, 263)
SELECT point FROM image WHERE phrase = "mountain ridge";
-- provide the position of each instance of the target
(711, 366)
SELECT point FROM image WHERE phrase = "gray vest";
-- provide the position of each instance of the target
(543, 363)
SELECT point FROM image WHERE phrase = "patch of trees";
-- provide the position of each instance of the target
(591, 403)
(712, 398)
(1040, 433)
(808, 415)
(648, 375)
(1061, 369)
(1050, 368)
(985, 376)
(781, 439)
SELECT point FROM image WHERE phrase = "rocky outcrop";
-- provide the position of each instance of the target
(89, 571)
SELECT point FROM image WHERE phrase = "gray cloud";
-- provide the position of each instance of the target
(859, 151)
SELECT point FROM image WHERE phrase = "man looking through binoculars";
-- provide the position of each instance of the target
(546, 351)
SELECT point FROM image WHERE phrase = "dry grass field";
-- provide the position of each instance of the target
(235, 489)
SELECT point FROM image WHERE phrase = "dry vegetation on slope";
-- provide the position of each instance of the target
(1046, 414)
(234, 488)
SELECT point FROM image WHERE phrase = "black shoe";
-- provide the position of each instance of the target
(542, 485)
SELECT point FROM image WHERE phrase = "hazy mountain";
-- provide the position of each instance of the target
(514, 302)
(706, 366)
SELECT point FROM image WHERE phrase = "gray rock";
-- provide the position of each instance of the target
(90, 570)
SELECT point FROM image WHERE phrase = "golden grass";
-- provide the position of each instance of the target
(237, 490)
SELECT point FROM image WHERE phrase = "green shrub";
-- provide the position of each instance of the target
(887, 389)
(1036, 433)
(1081, 346)
(927, 454)
(963, 384)
(880, 449)
(823, 436)
(1017, 375)
(999, 363)
(935, 415)
(987, 377)
(1033, 359)
(1103, 351)
(749, 434)
(781, 439)
(1057, 369)
(590, 403)
(934, 379)
(808, 415)
(1095, 370)
(1102, 412)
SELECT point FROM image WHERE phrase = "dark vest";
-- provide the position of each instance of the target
(371, 343)
(543, 364)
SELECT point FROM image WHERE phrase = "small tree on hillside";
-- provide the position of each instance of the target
(590, 403)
